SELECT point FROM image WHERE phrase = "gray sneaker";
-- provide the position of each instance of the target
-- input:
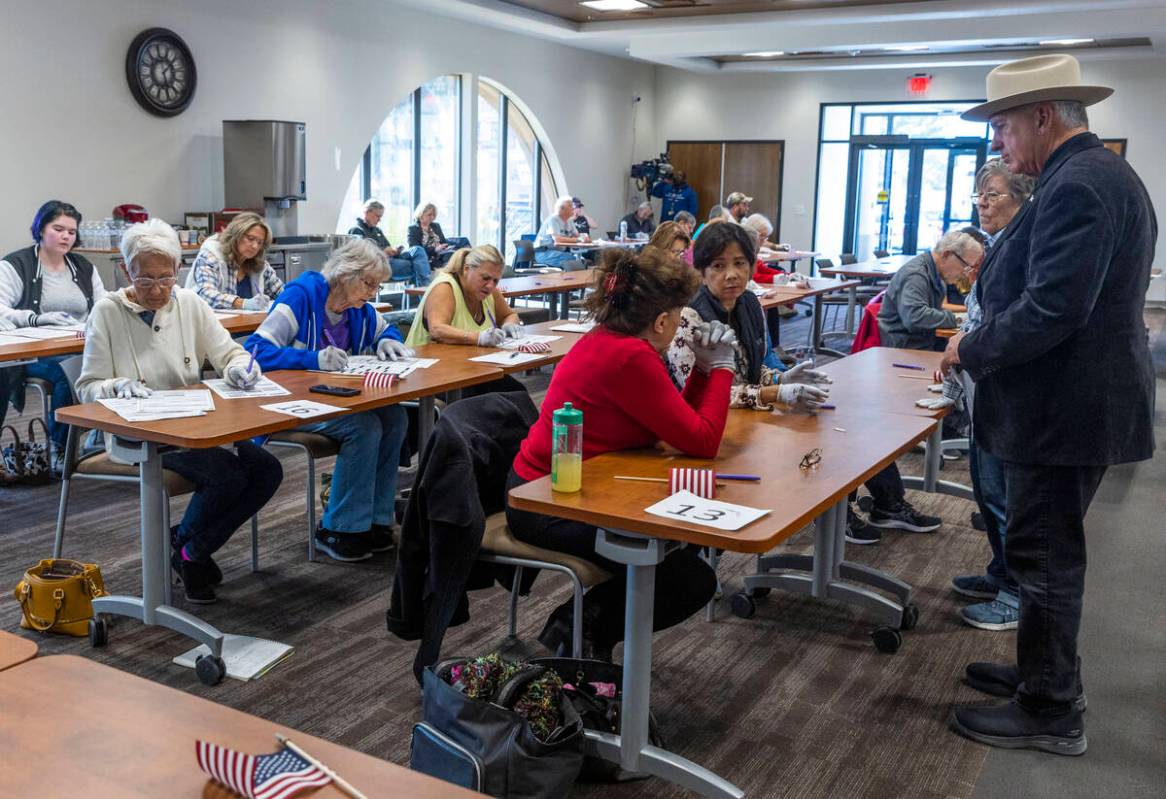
(1002, 613)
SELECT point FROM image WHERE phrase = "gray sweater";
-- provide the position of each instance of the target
(911, 310)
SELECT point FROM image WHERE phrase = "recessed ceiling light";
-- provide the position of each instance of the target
(765, 54)
(614, 5)
(1065, 42)
(906, 48)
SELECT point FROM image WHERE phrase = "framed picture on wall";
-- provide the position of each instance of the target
(1118, 146)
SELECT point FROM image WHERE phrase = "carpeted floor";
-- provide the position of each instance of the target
(795, 702)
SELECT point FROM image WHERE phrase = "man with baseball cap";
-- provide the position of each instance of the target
(1064, 380)
(738, 205)
(583, 220)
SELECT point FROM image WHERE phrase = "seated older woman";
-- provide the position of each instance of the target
(672, 239)
(426, 233)
(463, 304)
(316, 323)
(155, 336)
(41, 285)
(230, 270)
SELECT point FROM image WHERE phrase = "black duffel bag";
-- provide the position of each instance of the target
(486, 746)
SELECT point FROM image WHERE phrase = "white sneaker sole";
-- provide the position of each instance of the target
(327, 550)
(862, 541)
(989, 625)
(895, 524)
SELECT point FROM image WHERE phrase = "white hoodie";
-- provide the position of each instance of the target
(168, 354)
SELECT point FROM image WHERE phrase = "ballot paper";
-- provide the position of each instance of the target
(515, 343)
(45, 333)
(686, 506)
(302, 409)
(175, 404)
(266, 387)
(371, 364)
(574, 327)
(6, 339)
(513, 358)
(228, 312)
(245, 657)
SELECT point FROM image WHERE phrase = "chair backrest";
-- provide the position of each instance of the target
(528, 236)
(881, 253)
(847, 258)
(612, 235)
(867, 335)
(72, 368)
(523, 253)
(824, 263)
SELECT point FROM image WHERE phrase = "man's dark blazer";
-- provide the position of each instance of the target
(1062, 362)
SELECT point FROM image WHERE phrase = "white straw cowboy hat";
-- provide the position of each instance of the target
(1043, 78)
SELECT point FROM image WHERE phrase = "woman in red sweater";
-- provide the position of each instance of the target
(616, 376)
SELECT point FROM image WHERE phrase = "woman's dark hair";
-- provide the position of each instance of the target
(632, 290)
(50, 211)
(713, 240)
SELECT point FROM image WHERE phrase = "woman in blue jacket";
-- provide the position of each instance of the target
(318, 320)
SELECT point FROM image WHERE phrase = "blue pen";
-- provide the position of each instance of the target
(491, 318)
(749, 477)
(251, 363)
(907, 366)
(328, 337)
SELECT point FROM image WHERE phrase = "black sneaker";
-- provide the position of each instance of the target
(1002, 679)
(556, 634)
(348, 547)
(859, 532)
(381, 538)
(904, 517)
(1010, 725)
(196, 579)
(978, 521)
(215, 572)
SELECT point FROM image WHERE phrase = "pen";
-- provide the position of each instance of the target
(251, 363)
(492, 321)
(329, 339)
(907, 366)
(826, 407)
(750, 477)
(514, 355)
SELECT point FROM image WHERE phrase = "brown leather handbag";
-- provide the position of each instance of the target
(57, 596)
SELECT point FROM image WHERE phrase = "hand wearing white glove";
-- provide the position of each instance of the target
(512, 330)
(802, 396)
(331, 359)
(491, 338)
(935, 403)
(239, 376)
(128, 388)
(803, 373)
(259, 302)
(52, 318)
(713, 347)
(392, 350)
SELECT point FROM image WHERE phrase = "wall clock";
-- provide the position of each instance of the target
(160, 71)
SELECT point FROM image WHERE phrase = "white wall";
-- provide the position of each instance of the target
(786, 105)
(71, 129)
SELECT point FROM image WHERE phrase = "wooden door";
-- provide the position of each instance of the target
(755, 169)
(701, 163)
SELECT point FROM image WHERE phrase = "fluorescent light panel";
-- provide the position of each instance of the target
(907, 48)
(765, 54)
(614, 5)
(1064, 42)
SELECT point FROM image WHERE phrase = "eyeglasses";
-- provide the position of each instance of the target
(370, 285)
(967, 267)
(991, 197)
(811, 460)
(148, 283)
(255, 240)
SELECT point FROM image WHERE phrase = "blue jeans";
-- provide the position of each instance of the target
(230, 487)
(559, 258)
(412, 264)
(62, 396)
(364, 481)
(991, 496)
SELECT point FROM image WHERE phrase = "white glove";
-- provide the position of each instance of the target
(392, 350)
(237, 375)
(512, 330)
(935, 403)
(803, 373)
(713, 347)
(52, 318)
(802, 396)
(331, 359)
(260, 302)
(128, 388)
(6, 325)
(491, 338)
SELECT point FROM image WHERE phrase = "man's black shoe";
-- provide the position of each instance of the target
(858, 531)
(347, 547)
(196, 579)
(1010, 725)
(556, 635)
(215, 571)
(903, 517)
(381, 538)
(1002, 679)
(978, 521)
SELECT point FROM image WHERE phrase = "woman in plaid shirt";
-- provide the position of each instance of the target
(231, 271)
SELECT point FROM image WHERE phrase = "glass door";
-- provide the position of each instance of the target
(878, 198)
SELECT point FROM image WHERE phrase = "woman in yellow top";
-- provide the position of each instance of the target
(463, 304)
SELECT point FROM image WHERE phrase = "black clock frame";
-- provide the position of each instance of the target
(137, 46)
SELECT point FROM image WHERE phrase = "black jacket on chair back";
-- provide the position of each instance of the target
(1062, 362)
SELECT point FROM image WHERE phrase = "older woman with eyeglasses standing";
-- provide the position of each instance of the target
(153, 336)
(230, 270)
(316, 323)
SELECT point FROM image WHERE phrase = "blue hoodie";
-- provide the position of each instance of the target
(676, 199)
(291, 335)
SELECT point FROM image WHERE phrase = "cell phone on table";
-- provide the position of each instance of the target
(335, 391)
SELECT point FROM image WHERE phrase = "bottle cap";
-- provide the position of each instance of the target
(567, 415)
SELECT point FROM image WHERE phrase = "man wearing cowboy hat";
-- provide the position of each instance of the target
(1064, 381)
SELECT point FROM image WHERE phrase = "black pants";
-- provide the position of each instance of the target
(886, 487)
(1045, 551)
(684, 582)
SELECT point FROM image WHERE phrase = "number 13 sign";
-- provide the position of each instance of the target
(685, 506)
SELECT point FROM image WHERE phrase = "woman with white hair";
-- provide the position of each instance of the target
(426, 233)
(316, 323)
(231, 270)
(153, 335)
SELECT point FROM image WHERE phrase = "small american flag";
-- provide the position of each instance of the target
(274, 776)
(534, 346)
(702, 482)
(379, 380)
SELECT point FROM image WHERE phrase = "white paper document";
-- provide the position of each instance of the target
(266, 387)
(229, 312)
(515, 343)
(574, 327)
(303, 409)
(246, 657)
(686, 506)
(371, 364)
(175, 404)
(514, 358)
(44, 333)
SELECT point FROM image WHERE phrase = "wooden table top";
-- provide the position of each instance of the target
(15, 649)
(237, 419)
(769, 444)
(784, 295)
(868, 381)
(550, 283)
(877, 268)
(559, 348)
(73, 727)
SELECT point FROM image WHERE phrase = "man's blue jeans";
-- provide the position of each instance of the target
(412, 264)
(989, 489)
(559, 258)
(364, 481)
(61, 397)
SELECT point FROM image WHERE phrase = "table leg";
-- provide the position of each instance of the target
(930, 480)
(564, 304)
(816, 343)
(851, 305)
(631, 748)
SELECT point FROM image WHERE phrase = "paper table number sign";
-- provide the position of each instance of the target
(702, 482)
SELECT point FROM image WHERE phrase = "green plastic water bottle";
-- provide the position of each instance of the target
(567, 449)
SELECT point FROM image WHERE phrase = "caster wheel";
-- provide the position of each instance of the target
(866, 503)
(98, 632)
(210, 669)
(887, 640)
(910, 617)
(757, 593)
(743, 606)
